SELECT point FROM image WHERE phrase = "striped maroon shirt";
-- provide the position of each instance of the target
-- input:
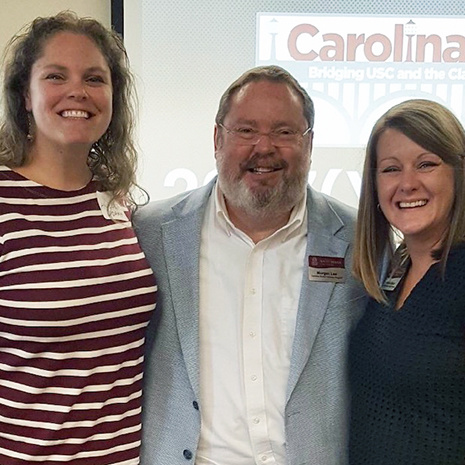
(76, 295)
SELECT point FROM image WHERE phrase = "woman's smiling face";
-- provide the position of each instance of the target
(70, 93)
(415, 188)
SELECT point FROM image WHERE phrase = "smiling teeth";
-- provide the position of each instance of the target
(263, 170)
(75, 114)
(417, 203)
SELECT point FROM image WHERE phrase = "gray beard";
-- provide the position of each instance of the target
(266, 202)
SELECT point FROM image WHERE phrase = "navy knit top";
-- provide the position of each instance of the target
(407, 374)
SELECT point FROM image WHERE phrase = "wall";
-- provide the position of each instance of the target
(16, 13)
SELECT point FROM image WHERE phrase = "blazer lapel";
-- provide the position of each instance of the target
(314, 296)
(181, 240)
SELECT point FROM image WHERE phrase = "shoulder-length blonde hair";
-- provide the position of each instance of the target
(436, 129)
(113, 157)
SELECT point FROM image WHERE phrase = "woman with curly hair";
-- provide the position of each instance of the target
(76, 292)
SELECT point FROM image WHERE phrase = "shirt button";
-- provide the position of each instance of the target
(256, 421)
(195, 405)
(252, 334)
(187, 454)
(253, 378)
(253, 291)
(264, 457)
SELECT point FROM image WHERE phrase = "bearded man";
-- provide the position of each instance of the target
(248, 361)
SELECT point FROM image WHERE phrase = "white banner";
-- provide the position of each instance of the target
(356, 67)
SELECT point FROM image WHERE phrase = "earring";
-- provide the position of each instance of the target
(30, 135)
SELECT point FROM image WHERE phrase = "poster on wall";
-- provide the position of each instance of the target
(356, 67)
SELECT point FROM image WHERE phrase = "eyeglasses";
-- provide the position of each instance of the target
(279, 138)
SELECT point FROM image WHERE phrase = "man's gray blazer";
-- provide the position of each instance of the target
(316, 414)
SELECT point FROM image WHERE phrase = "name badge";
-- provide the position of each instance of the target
(326, 269)
(391, 283)
(115, 211)
(394, 277)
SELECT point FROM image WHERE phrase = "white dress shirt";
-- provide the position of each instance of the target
(249, 296)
